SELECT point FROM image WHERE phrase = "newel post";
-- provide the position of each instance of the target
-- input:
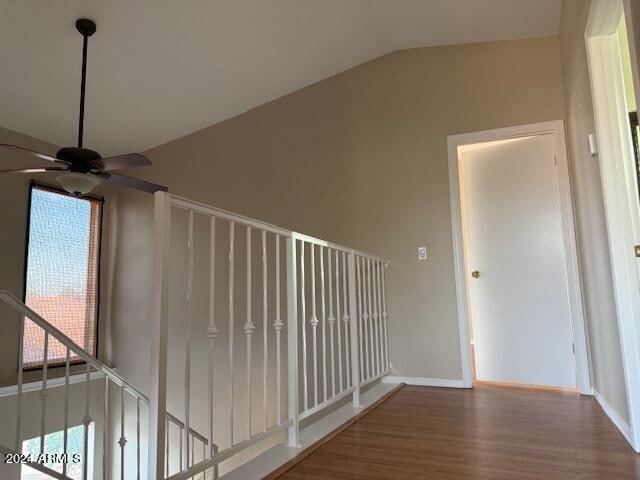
(355, 339)
(292, 343)
(158, 335)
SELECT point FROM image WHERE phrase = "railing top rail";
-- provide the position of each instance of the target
(20, 307)
(334, 246)
(204, 209)
(180, 424)
(219, 213)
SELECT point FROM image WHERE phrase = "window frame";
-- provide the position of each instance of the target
(33, 184)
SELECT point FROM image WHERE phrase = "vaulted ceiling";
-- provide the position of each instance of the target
(160, 69)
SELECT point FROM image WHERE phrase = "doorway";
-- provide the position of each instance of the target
(518, 287)
(612, 87)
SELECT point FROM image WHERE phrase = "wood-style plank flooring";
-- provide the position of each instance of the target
(489, 432)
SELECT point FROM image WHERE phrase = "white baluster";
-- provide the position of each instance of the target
(385, 317)
(277, 325)
(345, 319)
(18, 442)
(292, 344)
(338, 320)
(365, 318)
(65, 434)
(314, 324)
(187, 362)
(249, 328)
(122, 442)
(167, 438)
(212, 329)
(105, 432)
(361, 341)
(137, 438)
(332, 321)
(371, 348)
(324, 326)
(382, 360)
(231, 321)
(86, 421)
(375, 321)
(265, 345)
(43, 391)
(305, 386)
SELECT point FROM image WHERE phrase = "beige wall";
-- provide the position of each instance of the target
(359, 159)
(606, 357)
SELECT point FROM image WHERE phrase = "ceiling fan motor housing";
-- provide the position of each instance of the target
(82, 160)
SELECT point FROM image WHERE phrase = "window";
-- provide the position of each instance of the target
(62, 272)
(54, 444)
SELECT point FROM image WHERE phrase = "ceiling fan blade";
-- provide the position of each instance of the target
(122, 161)
(33, 153)
(35, 170)
(135, 183)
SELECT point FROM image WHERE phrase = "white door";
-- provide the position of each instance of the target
(516, 261)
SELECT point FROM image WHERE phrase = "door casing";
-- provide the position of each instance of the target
(462, 273)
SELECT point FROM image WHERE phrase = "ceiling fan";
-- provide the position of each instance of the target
(83, 168)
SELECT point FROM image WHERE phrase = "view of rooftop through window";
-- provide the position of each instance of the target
(62, 272)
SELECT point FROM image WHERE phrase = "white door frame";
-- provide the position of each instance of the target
(576, 312)
(615, 153)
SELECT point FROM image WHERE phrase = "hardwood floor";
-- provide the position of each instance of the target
(489, 432)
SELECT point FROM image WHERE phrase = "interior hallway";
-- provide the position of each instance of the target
(489, 432)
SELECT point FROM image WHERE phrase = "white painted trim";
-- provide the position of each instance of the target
(615, 151)
(425, 382)
(615, 418)
(12, 390)
(576, 311)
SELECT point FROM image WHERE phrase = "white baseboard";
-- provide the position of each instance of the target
(615, 418)
(425, 382)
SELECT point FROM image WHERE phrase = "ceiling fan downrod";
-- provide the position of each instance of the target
(86, 28)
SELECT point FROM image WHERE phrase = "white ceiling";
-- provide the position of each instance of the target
(159, 69)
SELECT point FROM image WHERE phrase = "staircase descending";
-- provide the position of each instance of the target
(93, 371)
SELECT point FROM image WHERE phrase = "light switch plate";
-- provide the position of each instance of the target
(422, 253)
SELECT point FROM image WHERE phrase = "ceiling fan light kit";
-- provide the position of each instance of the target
(78, 183)
(86, 169)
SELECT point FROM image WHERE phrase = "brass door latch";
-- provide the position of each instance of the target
(475, 274)
(637, 250)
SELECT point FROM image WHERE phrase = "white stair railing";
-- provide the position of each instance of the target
(336, 329)
(124, 391)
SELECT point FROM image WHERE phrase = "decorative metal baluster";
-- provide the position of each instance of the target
(380, 320)
(212, 329)
(249, 328)
(371, 348)
(166, 445)
(278, 325)
(86, 421)
(105, 432)
(332, 321)
(43, 391)
(137, 438)
(324, 326)
(314, 324)
(187, 362)
(65, 434)
(122, 442)
(361, 343)
(385, 317)
(18, 442)
(231, 321)
(345, 319)
(305, 385)
(340, 388)
(265, 343)
(375, 321)
(365, 318)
